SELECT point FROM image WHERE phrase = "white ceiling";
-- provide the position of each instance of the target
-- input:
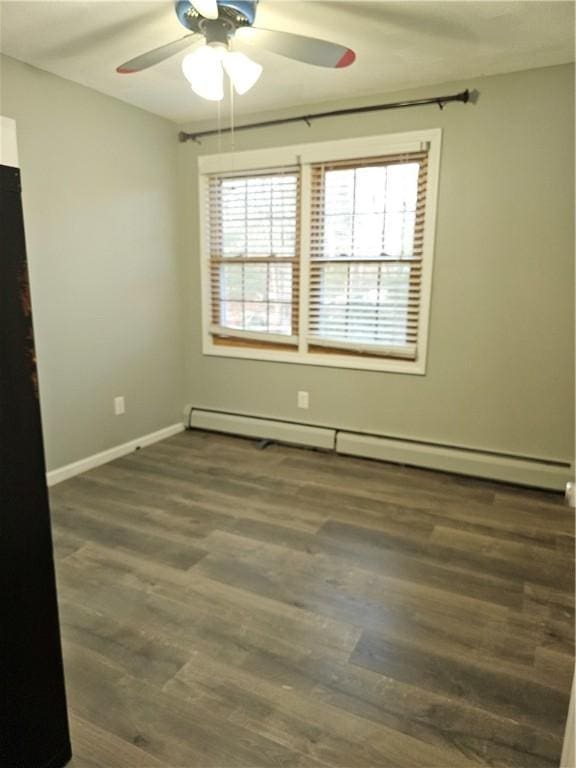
(398, 45)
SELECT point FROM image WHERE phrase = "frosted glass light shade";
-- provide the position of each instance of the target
(203, 70)
(241, 70)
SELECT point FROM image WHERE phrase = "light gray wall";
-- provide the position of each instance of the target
(501, 352)
(101, 203)
(100, 209)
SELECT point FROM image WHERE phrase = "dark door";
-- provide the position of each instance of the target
(33, 719)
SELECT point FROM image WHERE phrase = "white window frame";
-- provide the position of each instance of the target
(305, 155)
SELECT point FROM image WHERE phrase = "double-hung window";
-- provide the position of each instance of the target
(254, 257)
(321, 254)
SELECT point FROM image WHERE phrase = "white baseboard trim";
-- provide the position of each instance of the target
(552, 475)
(63, 473)
(264, 429)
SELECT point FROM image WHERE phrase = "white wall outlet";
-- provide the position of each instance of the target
(303, 400)
(119, 406)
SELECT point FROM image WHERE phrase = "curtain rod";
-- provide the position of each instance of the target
(440, 101)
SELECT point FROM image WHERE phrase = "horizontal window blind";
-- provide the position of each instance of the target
(366, 249)
(253, 241)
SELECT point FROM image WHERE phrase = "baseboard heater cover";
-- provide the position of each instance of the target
(536, 473)
(264, 429)
(508, 469)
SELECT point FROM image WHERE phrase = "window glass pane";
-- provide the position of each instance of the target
(399, 234)
(233, 214)
(280, 318)
(337, 236)
(371, 185)
(280, 282)
(402, 187)
(231, 279)
(339, 191)
(256, 297)
(258, 216)
(255, 282)
(368, 231)
(232, 314)
(283, 233)
(259, 238)
(363, 303)
(255, 316)
(233, 239)
(370, 212)
(363, 284)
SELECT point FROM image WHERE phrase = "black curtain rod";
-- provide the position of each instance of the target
(440, 101)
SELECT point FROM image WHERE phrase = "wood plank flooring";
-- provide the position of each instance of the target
(227, 606)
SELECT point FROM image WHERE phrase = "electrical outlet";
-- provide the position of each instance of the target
(119, 406)
(303, 400)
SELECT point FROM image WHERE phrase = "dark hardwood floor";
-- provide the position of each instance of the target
(227, 606)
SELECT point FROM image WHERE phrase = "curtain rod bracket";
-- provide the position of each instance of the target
(183, 137)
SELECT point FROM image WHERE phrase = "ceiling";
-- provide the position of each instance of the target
(398, 45)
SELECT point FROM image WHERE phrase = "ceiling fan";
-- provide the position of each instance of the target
(217, 23)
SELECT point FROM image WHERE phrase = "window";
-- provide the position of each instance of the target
(321, 254)
(254, 256)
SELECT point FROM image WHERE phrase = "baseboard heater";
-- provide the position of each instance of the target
(534, 472)
(264, 429)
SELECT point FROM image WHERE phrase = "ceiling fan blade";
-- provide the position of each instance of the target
(206, 8)
(157, 55)
(310, 50)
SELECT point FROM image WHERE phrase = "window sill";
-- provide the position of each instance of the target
(386, 365)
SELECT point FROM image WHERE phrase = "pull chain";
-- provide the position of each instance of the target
(232, 137)
(219, 127)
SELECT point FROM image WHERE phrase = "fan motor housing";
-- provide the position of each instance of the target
(231, 15)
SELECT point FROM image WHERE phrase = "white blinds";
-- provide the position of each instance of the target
(254, 256)
(366, 247)
(362, 260)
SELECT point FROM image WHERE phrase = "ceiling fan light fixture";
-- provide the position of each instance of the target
(243, 72)
(203, 70)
